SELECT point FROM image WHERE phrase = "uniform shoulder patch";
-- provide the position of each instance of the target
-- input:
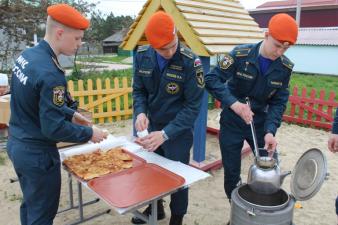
(287, 62)
(241, 52)
(187, 52)
(58, 95)
(200, 78)
(226, 62)
(142, 48)
(197, 62)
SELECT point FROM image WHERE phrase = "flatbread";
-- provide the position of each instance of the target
(98, 163)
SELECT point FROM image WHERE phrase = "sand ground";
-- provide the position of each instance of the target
(207, 202)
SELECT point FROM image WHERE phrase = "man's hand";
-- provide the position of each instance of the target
(243, 110)
(333, 143)
(270, 143)
(81, 120)
(141, 122)
(3, 90)
(98, 135)
(152, 141)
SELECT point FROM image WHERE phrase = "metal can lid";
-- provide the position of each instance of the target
(309, 174)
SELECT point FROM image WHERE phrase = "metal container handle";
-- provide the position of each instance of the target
(251, 212)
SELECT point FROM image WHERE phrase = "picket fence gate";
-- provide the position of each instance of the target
(111, 102)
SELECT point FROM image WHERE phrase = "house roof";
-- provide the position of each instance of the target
(293, 4)
(321, 36)
(117, 37)
(318, 36)
(207, 26)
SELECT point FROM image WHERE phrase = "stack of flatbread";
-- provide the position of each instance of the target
(98, 163)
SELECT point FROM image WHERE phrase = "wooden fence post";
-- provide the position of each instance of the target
(311, 104)
(109, 103)
(125, 97)
(117, 100)
(90, 91)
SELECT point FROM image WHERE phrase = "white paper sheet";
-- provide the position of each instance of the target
(110, 142)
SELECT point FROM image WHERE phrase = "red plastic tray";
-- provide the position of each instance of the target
(135, 185)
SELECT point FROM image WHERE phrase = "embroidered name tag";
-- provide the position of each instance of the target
(175, 76)
(247, 76)
(144, 72)
(276, 83)
(175, 67)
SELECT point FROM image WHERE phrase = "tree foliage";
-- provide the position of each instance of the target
(103, 26)
(21, 19)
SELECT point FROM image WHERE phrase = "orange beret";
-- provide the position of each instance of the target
(68, 16)
(283, 28)
(160, 29)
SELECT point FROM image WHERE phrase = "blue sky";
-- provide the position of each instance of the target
(132, 7)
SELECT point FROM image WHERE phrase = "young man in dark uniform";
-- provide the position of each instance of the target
(40, 117)
(167, 91)
(333, 145)
(262, 73)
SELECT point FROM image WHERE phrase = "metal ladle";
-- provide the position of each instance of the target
(267, 162)
(253, 131)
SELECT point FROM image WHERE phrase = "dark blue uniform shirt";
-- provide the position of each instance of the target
(238, 76)
(39, 114)
(264, 64)
(335, 123)
(171, 98)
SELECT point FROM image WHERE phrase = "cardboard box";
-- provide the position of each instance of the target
(5, 109)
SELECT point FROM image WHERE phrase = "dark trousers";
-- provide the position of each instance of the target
(177, 149)
(233, 132)
(38, 170)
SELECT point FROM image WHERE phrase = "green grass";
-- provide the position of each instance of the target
(83, 66)
(111, 74)
(103, 59)
(318, 82)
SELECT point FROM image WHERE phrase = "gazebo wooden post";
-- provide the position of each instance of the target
(201, 121)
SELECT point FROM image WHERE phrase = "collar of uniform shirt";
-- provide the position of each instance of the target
(162, 62)
(44, 43)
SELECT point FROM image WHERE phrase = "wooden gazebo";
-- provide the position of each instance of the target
(208, 27)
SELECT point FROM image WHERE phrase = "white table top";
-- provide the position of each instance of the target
(190, 174)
